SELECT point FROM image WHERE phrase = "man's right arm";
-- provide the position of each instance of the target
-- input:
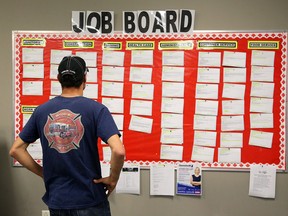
(116, 163)
(117, 156)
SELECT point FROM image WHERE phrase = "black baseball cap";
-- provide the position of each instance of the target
(72, 65)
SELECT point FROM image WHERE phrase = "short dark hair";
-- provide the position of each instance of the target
(68, 81)
(71, 71)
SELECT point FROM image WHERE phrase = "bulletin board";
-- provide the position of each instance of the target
(246, 69)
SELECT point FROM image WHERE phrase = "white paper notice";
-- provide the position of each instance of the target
(115, 105)
(105, 169)
(58, 55)
(172, 105)
(171, 136)
(106, 153)
(139, 74)
(200, 153)
(208, 75)
(91, 91)
(53, 71)
(119, 121)
(206, 107)
(143, 91)
(261, 120)
(261, 139)
(170, 120)
(237, 75)
(205, 138)
(174, 58)
(113, 73)
(92, 75)
(33, 70)
(89, 57)
(113, 89)
(232, 123)
(162, 179)
(141, 124)
(204, 122)
(32, 88)
(35, 150)
(263, 58)
(142, 57)
(170, 89)
(139, 107)
(207, 91)
(32, 55)
(236, 91)
(115, 58)
(209, 59)
(261, 89)
(171, 152)
(262, 105)
(265, 74)
(229, 155)
(231, 140)
(234, 59)
(26, 118)
(55, 88)
(262, 181)
(129, 180)
(233, 107)
(174, 74)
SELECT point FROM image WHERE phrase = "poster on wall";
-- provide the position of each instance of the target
(215, 98)
(189, 179)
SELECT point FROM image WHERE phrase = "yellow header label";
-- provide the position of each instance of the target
(41, 42)
(78, 44)
(183, 44)
(263, 44)
(214, 44)
(112, 46)
(140, 45)
(28, 109)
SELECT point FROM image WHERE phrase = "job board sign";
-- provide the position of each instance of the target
(134, 22)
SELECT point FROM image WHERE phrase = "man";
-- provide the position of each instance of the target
(68, 127)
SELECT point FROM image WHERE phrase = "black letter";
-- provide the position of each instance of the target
(106, 21)
(182, 22)
(129, 25)
(81, 23)
(158, 23)
(146, 16)
(171, 17)
(96, 28)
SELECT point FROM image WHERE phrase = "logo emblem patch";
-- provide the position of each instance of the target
(64, 130)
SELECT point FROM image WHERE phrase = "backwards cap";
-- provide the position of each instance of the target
(72, 65)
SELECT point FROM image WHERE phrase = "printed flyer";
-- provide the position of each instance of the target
(189, 179)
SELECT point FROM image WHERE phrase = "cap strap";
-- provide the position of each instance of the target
(70, 72)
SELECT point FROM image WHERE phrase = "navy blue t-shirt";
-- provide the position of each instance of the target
(69, 129)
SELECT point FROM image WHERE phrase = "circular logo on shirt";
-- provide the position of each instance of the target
(64, 130)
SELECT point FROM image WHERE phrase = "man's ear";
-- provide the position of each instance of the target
(85, 78)
(84, 82)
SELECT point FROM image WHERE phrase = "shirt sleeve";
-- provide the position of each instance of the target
(106, 126)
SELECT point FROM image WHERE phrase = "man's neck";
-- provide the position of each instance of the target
(72, 92)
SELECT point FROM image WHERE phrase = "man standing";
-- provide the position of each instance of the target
(68, 127)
